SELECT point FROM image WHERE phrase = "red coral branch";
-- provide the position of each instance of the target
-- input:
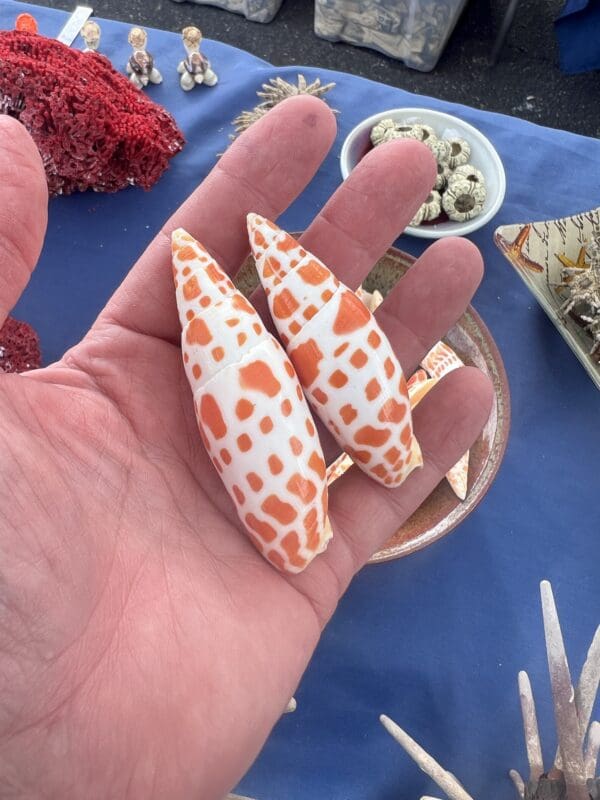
(94, 129)
(19, 347)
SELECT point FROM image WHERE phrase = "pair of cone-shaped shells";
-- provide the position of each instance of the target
(249, 395)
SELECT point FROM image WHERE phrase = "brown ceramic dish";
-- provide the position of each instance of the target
(473, 343)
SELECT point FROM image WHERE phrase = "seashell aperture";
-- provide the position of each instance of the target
(343, 360)
(251, 412)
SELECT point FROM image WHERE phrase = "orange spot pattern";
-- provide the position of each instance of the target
(373, 389)
(244, 442)
(259, 377)
(244, 409)
(348, 413)
(198, 333)
(275, 465)
(264, 530)
(278, 509)
(338, 379)
(313, 273)
(211, 416)
(284, 304)
(302, 487)
(306, 358)
(352, 314)
(392, 411)
(374, 437)
(254, 481)
(296, 445)
(266, 424)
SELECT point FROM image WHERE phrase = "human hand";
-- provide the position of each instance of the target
(146, 649)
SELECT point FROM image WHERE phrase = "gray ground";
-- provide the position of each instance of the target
(526, 81)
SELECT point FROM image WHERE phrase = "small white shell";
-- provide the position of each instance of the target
(441, 181)
(439, 147)
(424, 132)
(469, 172)
(460, 152)
(463, 199)
(380, 132)
(419, 217)
(432, 207)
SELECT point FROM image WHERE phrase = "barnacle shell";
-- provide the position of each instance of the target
(469, 172)
(443, 173)
(387, 129)
(463, 199)
(424, 132)
(251, 412)
(343, 359)
(380, 133)
(432, 207)
(419, 217)
(439, 147)
(460, 152)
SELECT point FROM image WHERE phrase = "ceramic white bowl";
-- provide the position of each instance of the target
(483, 156)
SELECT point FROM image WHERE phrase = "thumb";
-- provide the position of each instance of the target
(23, 210)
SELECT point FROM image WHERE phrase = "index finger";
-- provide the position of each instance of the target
(264, 171)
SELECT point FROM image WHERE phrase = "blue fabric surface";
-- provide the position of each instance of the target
(578, 35)
(434, 640)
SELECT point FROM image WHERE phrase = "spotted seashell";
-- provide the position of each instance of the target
(443, 173)
(469, 172)
(252, 415)
(343, 360)
(463, 199)
(460, 152)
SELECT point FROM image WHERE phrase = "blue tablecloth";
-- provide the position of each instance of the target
(435, 640)
(578, 35)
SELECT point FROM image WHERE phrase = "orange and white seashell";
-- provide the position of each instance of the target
(251, 412)
(344, 362)
(439, 361)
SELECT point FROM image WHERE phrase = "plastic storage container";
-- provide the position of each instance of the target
(256, 10)
(414, 31)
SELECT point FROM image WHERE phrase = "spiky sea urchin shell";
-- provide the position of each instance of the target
(463, 199)
(419, 217)
(274, 92)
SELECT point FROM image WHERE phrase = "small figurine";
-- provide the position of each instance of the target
(140, 67)
(195, 69)
(90, 33)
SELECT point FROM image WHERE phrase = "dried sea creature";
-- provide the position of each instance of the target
(443, 174)
(582, 281)
(19, 347)
(432, 207)
(573, 774)
(343, 359)
(276, 91)
(468, 172)
(460, 152)
(439, 147)
(93, 129)
(387, 129)
(514, 250)
(463, 199)
(252, 415)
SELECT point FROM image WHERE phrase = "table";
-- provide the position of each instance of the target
(435, 640)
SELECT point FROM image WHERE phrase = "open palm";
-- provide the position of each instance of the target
(146, 649)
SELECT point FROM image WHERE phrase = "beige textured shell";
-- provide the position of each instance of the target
(439, 147)
(469, 172)
(460, 152)
(463, 199)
